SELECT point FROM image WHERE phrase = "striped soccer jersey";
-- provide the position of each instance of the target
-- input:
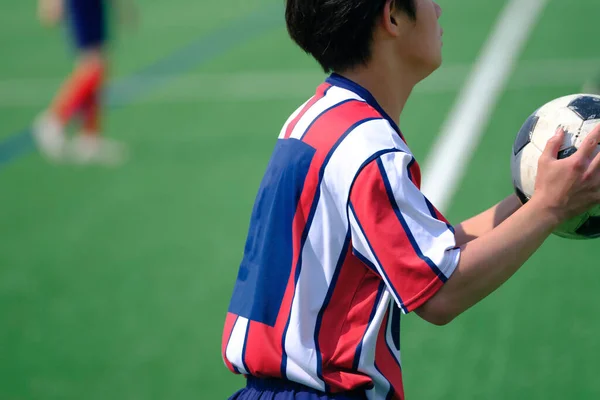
(341, 242)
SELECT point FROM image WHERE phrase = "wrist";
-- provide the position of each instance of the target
(513, 203)
(546, 213)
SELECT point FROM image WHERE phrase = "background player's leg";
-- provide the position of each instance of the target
(89, 146)
(85, 144)
(90, 115)
(83, 84)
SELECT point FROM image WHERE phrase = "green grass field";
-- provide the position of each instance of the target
(114, 283)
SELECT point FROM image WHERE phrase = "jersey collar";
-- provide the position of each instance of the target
(345, 83)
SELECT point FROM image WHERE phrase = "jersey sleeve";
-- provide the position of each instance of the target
(397, 233)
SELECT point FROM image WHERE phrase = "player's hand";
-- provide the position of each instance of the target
(50, 12)
(570, 186)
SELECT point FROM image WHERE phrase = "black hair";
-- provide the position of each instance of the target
(338, 33)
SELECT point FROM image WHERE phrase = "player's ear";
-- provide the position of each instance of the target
(391, 18)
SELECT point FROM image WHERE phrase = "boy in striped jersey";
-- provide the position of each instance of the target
(341, 239)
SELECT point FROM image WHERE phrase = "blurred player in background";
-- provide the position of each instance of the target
(80, 94)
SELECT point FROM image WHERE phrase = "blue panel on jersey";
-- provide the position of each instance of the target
(267, 262)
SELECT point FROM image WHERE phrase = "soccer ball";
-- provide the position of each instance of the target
(578, 115)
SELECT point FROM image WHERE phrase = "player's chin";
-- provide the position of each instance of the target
(433, 57)
(438, 61)
(432, 64)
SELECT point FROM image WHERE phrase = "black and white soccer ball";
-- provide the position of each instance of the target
(578, 114)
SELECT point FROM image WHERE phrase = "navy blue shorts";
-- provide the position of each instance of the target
(87, 20)
(277, 389)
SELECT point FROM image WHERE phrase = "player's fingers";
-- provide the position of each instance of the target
(553, 145)
(589, 144)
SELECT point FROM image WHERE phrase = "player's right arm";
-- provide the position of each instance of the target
(564, 188)
(50, 12)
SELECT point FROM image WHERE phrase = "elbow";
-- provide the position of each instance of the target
(438, 319)
(437, 311)
(441, 319)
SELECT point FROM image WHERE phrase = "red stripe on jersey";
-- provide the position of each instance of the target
(345, 322)
(229, 324)
(387, 363)
(410, 276)
(327, 129)
(263, 348)
(321, 90)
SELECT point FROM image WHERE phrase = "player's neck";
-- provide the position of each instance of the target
(390, 88)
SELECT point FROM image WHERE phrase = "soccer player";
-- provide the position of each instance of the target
(80, 94)
(341, 239)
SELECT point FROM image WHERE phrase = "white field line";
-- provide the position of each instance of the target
(295, 85)
(461, 133)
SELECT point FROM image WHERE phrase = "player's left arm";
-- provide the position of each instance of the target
(485, 222)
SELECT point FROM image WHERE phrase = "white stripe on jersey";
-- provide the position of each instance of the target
(432, 236)
(334, 95)
(325, 240)
(235, 347)
(320, 255)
